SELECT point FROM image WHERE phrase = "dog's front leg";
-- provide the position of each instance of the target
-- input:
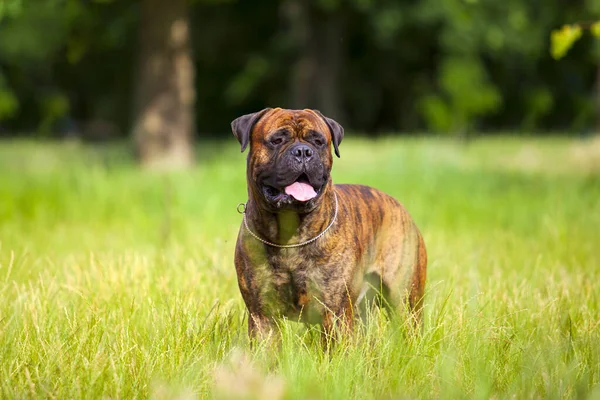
(337, 322)
(259, 326)
(261, 330)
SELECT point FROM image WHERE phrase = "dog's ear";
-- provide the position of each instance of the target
(337, 132)
(242, 126)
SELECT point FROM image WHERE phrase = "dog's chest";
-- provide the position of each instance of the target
(291, 285)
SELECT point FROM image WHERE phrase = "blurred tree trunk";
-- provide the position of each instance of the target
(315, 76)
(165, 94)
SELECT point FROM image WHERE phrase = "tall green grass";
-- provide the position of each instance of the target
(119, 283)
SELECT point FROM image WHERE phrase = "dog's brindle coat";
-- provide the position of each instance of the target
(373, 243)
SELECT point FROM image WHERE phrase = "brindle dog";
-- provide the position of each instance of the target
(372, 245)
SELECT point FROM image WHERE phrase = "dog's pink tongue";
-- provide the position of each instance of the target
(300, 191)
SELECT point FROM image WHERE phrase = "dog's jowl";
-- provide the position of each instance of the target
(310, 250)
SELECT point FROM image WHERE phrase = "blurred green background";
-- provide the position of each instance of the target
(77, 67)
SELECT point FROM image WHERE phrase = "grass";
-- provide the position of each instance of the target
(118, 283)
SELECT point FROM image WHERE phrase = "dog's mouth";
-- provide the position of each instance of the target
(300, 190)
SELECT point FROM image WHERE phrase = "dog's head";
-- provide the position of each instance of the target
(290, 159)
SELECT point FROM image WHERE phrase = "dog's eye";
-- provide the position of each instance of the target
(276, 141)
(319, 142)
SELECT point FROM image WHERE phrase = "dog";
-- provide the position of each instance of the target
(312, 251)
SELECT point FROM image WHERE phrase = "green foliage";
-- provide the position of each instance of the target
(539, 103)
(117, 283)
(466, 84)
(564, 38)
(483, 48)
(9, 103)
(467, 95)
(387, 22)
(486, 26)
(45, 55)
(393, 63)
(10, 8)
(437, 113)
(53, 106)
(29, 39)
(329, 5)
(41, 30)
(595, 29)
(244, 83)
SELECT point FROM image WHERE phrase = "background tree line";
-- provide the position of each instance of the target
(96, 67)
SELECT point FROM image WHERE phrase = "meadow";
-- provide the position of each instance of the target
(117, 283)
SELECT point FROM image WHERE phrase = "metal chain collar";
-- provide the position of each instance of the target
(283, 246)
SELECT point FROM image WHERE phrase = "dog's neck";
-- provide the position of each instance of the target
(288, 223)
(288, 226)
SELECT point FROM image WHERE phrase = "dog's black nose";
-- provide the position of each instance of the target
(302, 152)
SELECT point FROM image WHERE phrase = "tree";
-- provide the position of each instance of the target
(165, 93)
(564, 38)
(481, 47)
(378, 66)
